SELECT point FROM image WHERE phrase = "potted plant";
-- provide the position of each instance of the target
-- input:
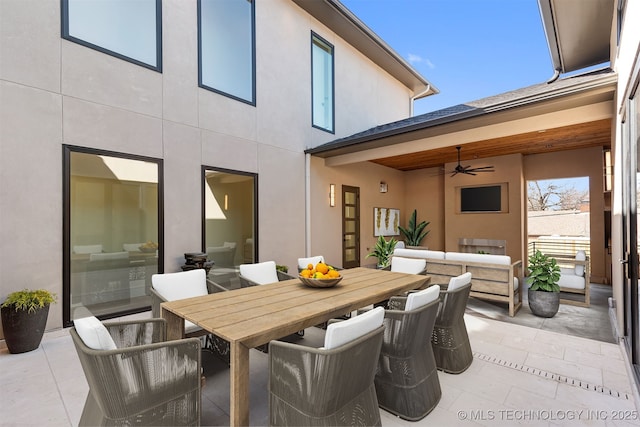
(544, 292)
(24, 318)
(414, 233)
(383, 251)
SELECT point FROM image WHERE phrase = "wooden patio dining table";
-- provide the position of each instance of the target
(253, 316)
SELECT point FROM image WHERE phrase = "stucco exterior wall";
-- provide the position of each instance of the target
(506, 226)
(56, 92)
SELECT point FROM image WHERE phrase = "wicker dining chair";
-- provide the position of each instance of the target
(135, 377)
(327, 386)
(187, 284)
(406, 381)
(450, 339)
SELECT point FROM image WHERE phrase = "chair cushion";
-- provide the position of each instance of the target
(304, 262)
(341, 333)
(408, 265)
(568, 279)
(424, 297)
(229, 244)
(94, 334)
(459, 281)
(181, 285)
(580, 256)
(261, 273)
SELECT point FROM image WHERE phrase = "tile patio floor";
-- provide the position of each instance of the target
(519, 376)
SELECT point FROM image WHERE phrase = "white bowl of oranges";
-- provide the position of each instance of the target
(320, 275)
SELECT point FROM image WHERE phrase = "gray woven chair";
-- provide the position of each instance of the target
(407, 382)
(320, 387)
(145, 381)
(182, 281)
(450, 340)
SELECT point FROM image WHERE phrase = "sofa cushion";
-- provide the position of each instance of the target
(109, 256)
(580, 256)
(421, 298)
(94, 334)
(483, 258)
(568, 279)
(341, 333)
(408, 265)
(418, 253)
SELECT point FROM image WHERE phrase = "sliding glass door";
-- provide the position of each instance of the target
(112, 232)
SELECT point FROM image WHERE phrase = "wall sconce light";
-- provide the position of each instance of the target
(332, 195)
(226, 202)
(608, 171)
(383, 187)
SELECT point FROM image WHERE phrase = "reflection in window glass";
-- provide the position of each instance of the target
(322, 83)
(113, 233)
(126, 28)
(227, 47)
(229, 223)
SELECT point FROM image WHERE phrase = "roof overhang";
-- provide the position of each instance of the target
(576, 111)
(578, 32)
(345, 24)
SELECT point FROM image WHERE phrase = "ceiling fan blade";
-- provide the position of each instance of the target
(482, 169)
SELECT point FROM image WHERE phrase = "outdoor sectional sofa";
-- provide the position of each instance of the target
(494, 277)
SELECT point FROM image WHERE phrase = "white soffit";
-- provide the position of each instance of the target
(578, 32)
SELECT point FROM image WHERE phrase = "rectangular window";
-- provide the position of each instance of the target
(128, 29)
(226, 44)
(322, 83)
(112, 232)
(229, 222)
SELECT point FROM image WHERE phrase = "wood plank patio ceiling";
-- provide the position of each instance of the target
(582, 135)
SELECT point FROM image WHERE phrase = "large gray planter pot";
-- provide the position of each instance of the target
(23, 331)
(544, 304)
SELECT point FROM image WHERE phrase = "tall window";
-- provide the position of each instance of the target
(229, 222)
(128, 29)
(227, 48)
(112, 233)
(322, 83)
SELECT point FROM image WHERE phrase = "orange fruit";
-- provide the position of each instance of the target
(309, 266)
(322, 267)
(305, 273)
(333, 274)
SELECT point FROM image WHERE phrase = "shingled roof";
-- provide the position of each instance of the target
(527, 95)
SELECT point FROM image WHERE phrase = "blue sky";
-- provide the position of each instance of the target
(468, 49)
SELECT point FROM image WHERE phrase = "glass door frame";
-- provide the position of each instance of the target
(66, 225)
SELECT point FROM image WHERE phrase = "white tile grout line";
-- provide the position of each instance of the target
(554, 377)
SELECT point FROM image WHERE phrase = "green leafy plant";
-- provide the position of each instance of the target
(544, 273)
(282, 268)
(383, 251)
(29, 300)
(414, 233)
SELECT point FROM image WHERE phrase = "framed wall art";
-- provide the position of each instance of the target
(386, 221)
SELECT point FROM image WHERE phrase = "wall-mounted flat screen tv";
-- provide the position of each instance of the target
(481, 199)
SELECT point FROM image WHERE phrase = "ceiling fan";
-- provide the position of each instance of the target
(468, 169)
